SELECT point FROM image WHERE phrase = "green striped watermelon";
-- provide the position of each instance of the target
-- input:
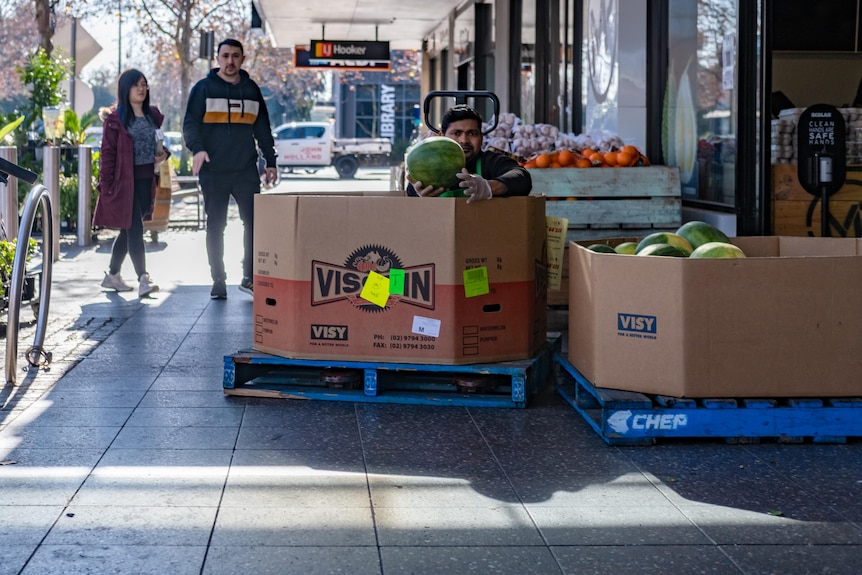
(435, 161)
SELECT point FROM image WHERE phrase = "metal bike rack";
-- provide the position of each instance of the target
(38, 195)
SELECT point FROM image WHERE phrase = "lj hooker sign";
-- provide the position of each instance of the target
(344, 54)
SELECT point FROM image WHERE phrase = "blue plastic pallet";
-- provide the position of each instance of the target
(504, 384)
(631, 418)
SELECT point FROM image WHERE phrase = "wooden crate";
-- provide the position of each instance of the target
(612, 202)
(795, 212)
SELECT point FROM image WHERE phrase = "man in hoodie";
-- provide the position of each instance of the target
(225, 124)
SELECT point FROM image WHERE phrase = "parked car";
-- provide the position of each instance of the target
(93, 138)
(313, 145)
(174, 143)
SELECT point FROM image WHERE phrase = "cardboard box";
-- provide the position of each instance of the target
(785, 321)
(315, 254)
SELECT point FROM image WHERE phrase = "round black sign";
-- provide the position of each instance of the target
(821, 144)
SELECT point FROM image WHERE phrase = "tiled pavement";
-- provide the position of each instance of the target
(127, 458)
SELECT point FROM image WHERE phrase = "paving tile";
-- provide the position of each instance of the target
(116, 365)
(282, 412)
(127, 343)
(46, 413)
(630, 489)
(73, 398)
(539, 458)
(20, 524)
(13, 557)
(416, 427)
(54, 474)
(623, 559)
(294, 526)
(31, 436)
(783, 559)
(172, 437)
(215, 370)
(796, 462)
(301, 435)
(205, 398)
(452, 527)
(446, 560)
(763, 492)
(615, 525)
(113, 382)
(128, 525)
(156, 478)
(297, 488)
(90, 559)
(278, 560)
(228, 416)
(183, 384)
(445, 477)
(299, 461)
(788, 525)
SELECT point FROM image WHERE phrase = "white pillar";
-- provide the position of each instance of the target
(85, 192)
(9, 196)
(51, 180)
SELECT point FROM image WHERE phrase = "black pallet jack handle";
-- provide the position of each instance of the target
(460, 98)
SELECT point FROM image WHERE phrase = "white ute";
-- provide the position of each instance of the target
(313, 145)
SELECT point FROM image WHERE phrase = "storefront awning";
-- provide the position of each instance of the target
(403, 24)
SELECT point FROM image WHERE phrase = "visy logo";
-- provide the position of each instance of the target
(331, 332)
(636, 323)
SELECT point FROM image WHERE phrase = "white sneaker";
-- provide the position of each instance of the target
(115, 282)
(145, 286)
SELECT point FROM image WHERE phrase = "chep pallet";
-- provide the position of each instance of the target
(504, 384)
(631, 418)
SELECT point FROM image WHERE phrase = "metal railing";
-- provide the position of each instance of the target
(38, 196)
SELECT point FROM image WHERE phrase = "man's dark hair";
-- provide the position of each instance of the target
(230, 42)
(458, 113)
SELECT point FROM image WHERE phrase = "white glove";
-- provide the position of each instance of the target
(475, 186)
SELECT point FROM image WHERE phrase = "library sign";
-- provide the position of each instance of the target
(343, 55)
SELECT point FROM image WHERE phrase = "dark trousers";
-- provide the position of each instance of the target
(218, 187)
(131, 241)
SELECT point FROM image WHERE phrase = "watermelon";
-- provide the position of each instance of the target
(601, 248)
(435, 161)
(664, 238)
(717, 250)
(627, 248)
(663, 250)
(699, 233)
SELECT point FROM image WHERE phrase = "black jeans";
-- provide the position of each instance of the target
(131, 241)
(218, 187)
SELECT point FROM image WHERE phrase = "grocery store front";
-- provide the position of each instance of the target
(692, 83)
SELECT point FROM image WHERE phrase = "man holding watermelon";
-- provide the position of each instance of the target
(484, 174)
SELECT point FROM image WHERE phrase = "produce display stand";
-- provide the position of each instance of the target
(607, 203)
(630, 418)
(611, 202)
(503, 384)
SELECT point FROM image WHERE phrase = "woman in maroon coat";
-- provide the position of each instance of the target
(127, 184)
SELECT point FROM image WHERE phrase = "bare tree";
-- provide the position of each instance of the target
(178, 23)
(17, 42)
(46, 22)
